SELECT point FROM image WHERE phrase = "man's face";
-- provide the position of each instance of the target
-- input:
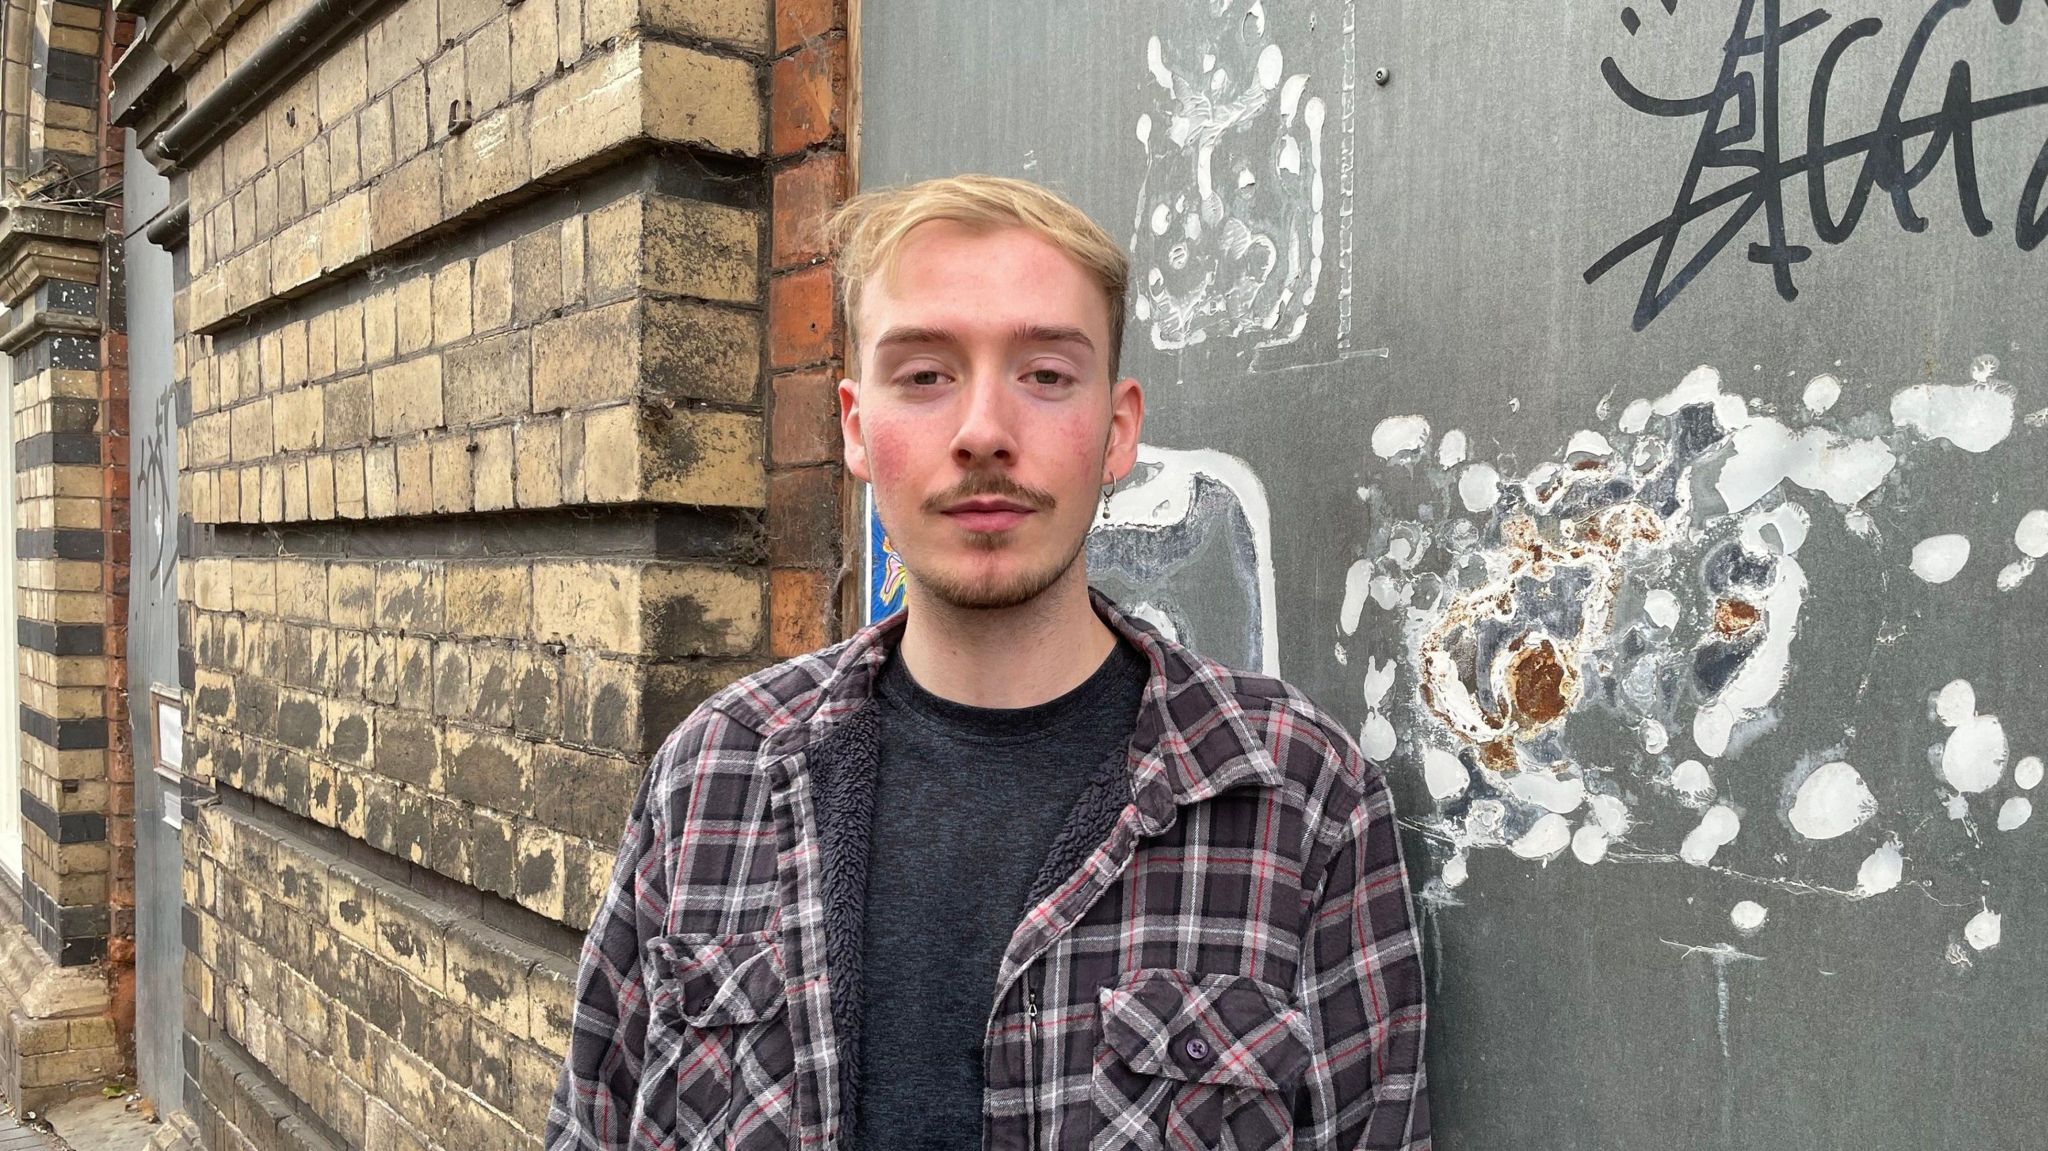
(984, 414)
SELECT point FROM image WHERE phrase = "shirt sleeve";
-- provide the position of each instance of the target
(1362, 988)
(593, 1106)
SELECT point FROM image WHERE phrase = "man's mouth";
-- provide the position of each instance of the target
(987, 514)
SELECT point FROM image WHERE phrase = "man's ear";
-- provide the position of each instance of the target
(849, 429)
(1126, 424)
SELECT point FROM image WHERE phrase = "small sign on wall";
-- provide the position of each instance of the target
(169, 715)
(884, 566)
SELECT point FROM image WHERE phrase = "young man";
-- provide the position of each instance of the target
(1010, 870)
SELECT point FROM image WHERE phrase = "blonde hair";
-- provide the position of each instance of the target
(869, 230)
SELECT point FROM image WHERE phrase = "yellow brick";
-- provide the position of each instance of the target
(344, 229)
(301, 589)
(489, 599)
(348, 337)
(380, 326)
(380, 481)
(452, 480)
(415, 478)
(489, 160)
(298, 418)
(703, 250)
(254, 586)
(452, 314)
(348, 484)
(415, 314)
(351, 594)
(701, 456)
(406, 396)
(320, 487)
(566, 375)
(538, 449)
(493, 464)
(406, 201)
(250, 431)
(491, 289)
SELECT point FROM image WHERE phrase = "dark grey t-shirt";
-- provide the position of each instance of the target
(967, 801)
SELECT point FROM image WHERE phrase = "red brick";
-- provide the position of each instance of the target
(807, 97)
(799, 611)
(799, 20)
(803, 516)
(804, 196)
(803, 419)
(801, 325)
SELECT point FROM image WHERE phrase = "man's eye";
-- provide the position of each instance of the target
(1048, 377)
(922, 379)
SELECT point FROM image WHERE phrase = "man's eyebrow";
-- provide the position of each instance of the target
(914, 336)
(1052, 334)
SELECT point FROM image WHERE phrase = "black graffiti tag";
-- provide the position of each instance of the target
(1739, 130)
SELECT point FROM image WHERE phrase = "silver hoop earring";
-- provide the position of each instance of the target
(1106, 489)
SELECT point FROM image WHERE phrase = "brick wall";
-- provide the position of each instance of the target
(506, 437)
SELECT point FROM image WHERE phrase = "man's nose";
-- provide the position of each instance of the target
(986, 433)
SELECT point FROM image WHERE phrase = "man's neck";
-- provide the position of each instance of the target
(1013, 657)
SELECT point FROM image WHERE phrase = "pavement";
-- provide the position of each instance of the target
(93, 1123)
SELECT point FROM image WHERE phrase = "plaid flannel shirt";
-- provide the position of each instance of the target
(1227, 955)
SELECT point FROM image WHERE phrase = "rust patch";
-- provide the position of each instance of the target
(1734, 617)
(1499, 755)
(1539, 684)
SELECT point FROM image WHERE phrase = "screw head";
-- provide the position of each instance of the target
(1380, 76)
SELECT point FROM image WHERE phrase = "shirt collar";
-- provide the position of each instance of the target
(1193, 738)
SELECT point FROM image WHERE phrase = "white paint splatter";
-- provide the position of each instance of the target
(2027, 773)
(1748, 916)
(1589, 843)
(1611, 814)
(2015, 573)
(1937, 559)
(1973, 758)
(1983, 930)
(2031, 537)
(1479, 487)
(1376, 737)
(1356, 582)
(2014, 812)
(1397, 434)
(1588, 443)
(1692, 783)
(1974, 417)
(1717, 829)
(1553, 793)
(1451, 452)
(1956, 702)
(1881, 871)
(1634, 417)
(1821, 393)
(1163, 491)
(1444, 774)
(1767, 453)
(1546, 840)
(1662, 607)
(1655, 738)
(1832, 800)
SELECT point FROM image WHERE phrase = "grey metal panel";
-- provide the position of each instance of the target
(1463, 204)
(153, 636)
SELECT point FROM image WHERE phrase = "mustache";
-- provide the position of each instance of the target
(990, 484)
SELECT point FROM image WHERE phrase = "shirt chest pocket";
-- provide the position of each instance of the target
(1188, 1060)
(719, 1055)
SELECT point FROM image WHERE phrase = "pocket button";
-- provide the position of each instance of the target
(1196, 1049)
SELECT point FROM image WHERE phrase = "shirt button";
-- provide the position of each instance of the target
(1196, 1049)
